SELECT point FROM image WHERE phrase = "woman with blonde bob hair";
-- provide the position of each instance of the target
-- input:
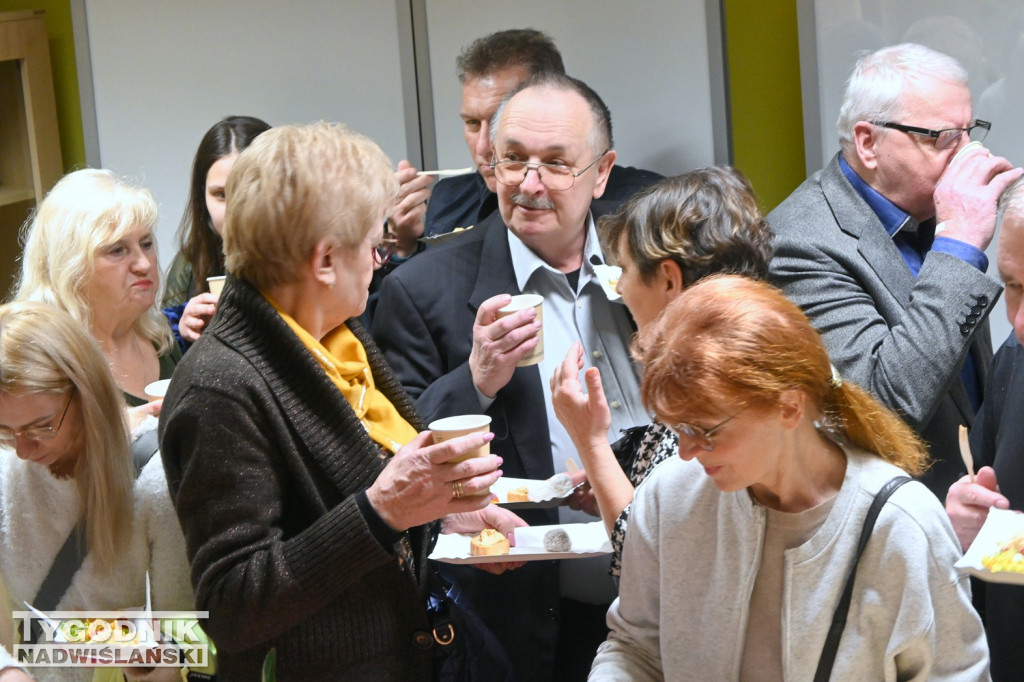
(65, 463)
(314, 536)
(780, 459)
(90, 251)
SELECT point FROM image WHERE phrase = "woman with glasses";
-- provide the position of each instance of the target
(738, 551)
(65, 464)
(307, 496)
(665, 238)
(90, 251)
(188, 303)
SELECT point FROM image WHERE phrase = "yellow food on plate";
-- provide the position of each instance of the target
(488, 542)
(1009, 558)
(520, 494)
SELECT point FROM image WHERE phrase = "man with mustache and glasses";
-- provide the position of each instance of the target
(552, 145)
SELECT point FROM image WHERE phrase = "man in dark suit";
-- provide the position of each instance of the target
(441, 334)
(997, 441)
(884, 248)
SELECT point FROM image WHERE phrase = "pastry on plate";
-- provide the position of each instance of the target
(488, 542)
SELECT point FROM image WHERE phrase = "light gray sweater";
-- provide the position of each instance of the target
(38, 511)
(692, 554)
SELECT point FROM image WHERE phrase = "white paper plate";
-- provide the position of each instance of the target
(588, 540)
(542, 495)
(158, 389)
(1000, 526)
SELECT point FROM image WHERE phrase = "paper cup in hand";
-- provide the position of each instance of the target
(462, 425)
(970, 145)
(157, 389)
(216, 284)
(522, 302)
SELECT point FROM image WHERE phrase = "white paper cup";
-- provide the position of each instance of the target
(216, 284)
(157, 389)
(522, 302)
(462, 425)
(970, 145)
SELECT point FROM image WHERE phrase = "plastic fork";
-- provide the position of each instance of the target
(965, 452)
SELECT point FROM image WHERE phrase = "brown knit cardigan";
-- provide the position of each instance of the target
(264, 458)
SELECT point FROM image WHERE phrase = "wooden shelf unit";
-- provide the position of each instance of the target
(30, 159)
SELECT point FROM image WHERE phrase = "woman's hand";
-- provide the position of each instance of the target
(14, 675)
(138, 414)
(421, 483)
(584, 415)
(491, 516)
(197, 313)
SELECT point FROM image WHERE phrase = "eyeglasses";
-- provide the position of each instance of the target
(946, 138)
(702, 436)
(8, 436)
(556, 177)
(384, 249)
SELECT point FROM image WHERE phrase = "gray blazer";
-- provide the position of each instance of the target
(903, 338)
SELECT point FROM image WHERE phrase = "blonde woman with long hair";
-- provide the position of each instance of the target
(90, 251)
(65, 459)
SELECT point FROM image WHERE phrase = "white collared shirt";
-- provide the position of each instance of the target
(605, 330)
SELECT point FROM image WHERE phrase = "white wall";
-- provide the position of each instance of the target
(987, 36)
(648, 61)
(164, 71)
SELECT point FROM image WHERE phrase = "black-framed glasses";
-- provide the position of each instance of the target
(556, 177)
(8, 436)
(702, 436)
(947, 138)
(384, 249)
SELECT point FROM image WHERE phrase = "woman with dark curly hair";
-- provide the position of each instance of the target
(666, 238)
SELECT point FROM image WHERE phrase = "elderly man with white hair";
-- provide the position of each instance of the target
(996, 442)
(884, 247)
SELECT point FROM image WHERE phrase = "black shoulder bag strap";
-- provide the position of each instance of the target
(835, 633)
(72, 553)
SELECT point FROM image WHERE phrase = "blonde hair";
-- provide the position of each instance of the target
(86, 211)
(295, 185)
(44, 350)
(731, 340)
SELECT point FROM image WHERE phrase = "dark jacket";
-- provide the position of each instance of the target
(997, 440)
(427, 336)
(264, 460)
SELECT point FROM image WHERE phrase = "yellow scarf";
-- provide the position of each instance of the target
(355, 381)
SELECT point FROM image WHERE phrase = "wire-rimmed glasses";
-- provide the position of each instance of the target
(384, 249)
(9, 436)
(557, 177)
(701, 436)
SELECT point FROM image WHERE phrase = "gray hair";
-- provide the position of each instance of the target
(1011, 201)
(875, 88)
